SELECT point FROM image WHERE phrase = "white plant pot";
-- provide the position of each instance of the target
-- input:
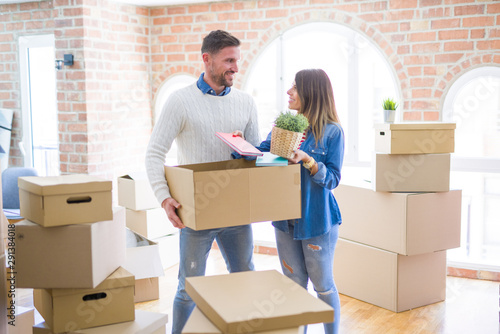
(389, 116)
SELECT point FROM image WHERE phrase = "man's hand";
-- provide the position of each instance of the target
(170, 205)
(238, 133)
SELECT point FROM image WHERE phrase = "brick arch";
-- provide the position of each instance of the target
(332, 16)
(471, 62)
(170, 71)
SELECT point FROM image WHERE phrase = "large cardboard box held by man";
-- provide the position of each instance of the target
(145, 323)
(389, 280)
(234, 192)
(65, 200)
(266, 300)
(403, 223)
(415, 138)
(411, 172)
(110, 302)
(72, 256)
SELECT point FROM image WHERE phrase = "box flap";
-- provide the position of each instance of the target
(136, 175)
(118, 279)
(266, 300)
(415, 126)
(65, 184)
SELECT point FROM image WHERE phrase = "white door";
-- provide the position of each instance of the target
(38, 101)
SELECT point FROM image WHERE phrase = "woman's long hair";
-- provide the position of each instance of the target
(317, 103)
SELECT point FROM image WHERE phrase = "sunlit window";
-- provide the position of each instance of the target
(170, 86)
(473, 103)
(360, 75)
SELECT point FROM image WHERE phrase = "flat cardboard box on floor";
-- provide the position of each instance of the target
(266, 300)
(65, 200)
(144, 323)
(135, 192)
(22, 322)
(169, 250)
(151, 223)
(403, 223)
(144, 262)
(72, 256)
(389, 280)
(411, 172)
(234, 192)
(110, 302)
(415, 138)
(198, 323)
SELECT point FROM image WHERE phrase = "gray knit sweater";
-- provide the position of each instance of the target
(192, 118)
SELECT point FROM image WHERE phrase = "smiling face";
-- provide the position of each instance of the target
(221, 67)
(293, 98)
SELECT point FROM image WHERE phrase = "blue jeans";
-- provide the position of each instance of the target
(236, 246)
(312, 259)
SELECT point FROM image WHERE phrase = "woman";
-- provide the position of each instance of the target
(306, 246)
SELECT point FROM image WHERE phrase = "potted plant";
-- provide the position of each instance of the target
(287, 133)
(389, 106)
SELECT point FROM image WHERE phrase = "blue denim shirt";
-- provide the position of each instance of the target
(206, 89)
(320, 210)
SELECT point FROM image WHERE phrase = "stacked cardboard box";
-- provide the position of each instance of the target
(268, 302)
(149, 231)
(70, 250)
(396, 229)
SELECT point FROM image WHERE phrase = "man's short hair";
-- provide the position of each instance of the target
(218, 40)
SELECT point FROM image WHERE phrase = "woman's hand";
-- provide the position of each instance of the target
(299, 155)
(238, 133)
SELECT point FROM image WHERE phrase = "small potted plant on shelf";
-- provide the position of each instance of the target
(389, 106)
(287, 133)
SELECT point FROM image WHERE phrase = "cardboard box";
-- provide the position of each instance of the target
(135, 192)
(73, 256)
(199, 324)
(403, 223)
(65, 200)
(411, 172)
(169, 250)
(415, 138)
(234, 192)
(144, 262)
(147, 289)
(389, 280)
(110, 302)
(23, 321)
(267, 300)
(151, 223)
(144, 323)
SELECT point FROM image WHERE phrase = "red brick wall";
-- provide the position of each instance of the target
(123, 54)
(429, 43)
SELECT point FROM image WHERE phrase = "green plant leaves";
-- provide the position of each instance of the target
(286, 120)
(389, 104)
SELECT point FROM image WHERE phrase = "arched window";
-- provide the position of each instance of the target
(360, 75)
(170, 86)
(473, 103)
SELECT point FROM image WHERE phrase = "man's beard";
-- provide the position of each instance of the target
(220, 80)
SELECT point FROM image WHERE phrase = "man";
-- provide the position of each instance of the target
(191, 116)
